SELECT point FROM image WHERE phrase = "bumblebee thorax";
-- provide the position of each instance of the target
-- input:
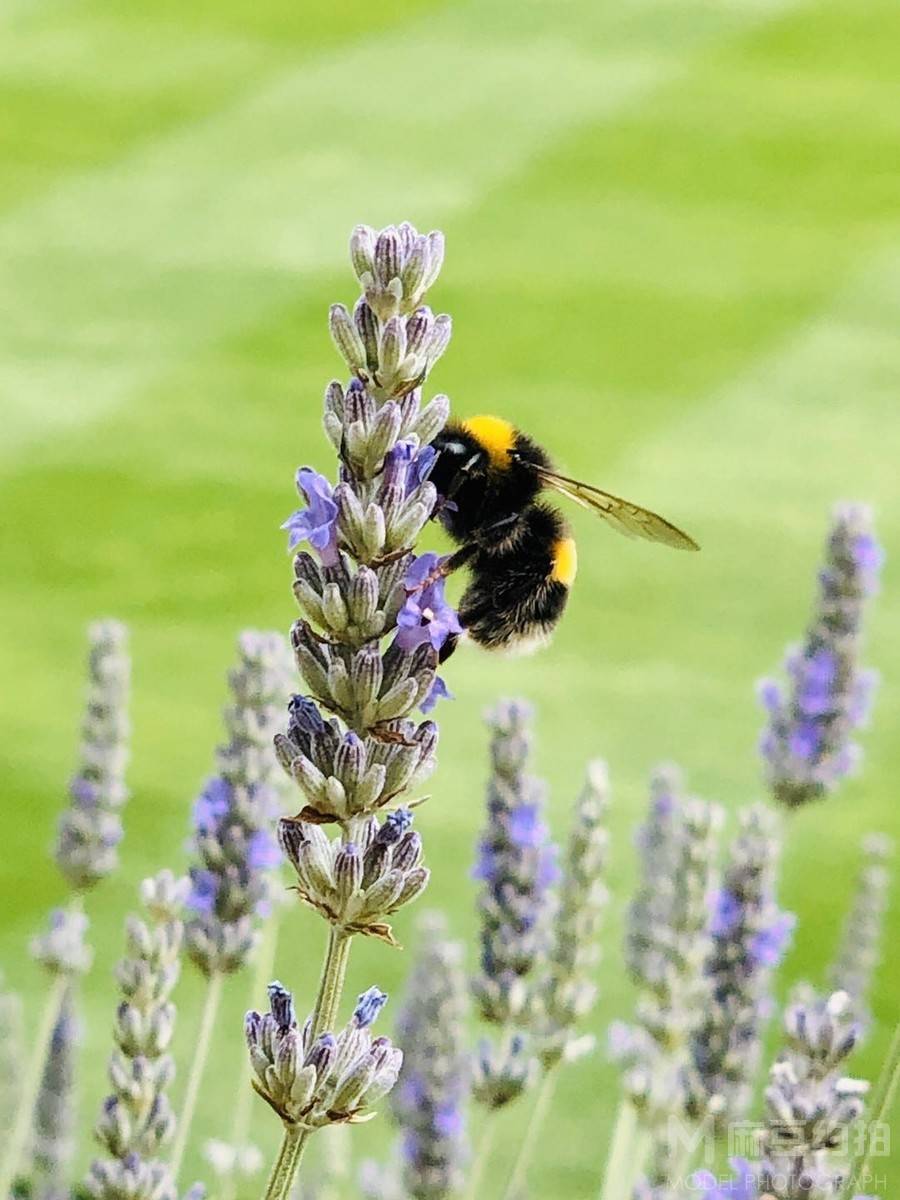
(495, 436)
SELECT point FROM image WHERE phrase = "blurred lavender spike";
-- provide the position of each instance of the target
(807, 746)
(136, 1119)
(234, 817)
(860, 949)
(517, 867)
(749, 936)
(430, 1098)
(54, 1111)
(567, 992)
(811, 1107)
(667, 945)
(90, 830)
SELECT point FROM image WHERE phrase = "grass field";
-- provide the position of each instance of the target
(673, 236)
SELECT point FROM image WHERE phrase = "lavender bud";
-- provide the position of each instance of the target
(346, 338)
(362, 251)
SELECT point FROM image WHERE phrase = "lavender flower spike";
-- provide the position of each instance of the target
(811, 1107)
(567, 992)
(355, 743)
(860, 949)
(54, 1111)
(136, 1120)
(749, 935)
(91, 829)
(429, 1100)
(807, 746)
(234, 816)
(517, 867)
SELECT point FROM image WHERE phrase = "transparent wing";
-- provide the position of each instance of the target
(629, 519)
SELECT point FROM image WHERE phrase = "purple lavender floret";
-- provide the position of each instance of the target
(426, 617)
(749, 934)
(408, 467)
(317, 523)
(439, 691)
(741, 1186)
(807, 746)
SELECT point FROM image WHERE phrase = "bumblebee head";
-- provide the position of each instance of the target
(487, 468)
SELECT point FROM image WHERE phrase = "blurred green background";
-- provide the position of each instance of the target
(673, 233)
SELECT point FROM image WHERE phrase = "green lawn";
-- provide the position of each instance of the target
(673, 235)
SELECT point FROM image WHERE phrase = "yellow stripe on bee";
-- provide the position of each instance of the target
(494, 435)
(565, 561)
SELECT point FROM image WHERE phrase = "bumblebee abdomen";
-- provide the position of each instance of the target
(517, 595)
(565, 561)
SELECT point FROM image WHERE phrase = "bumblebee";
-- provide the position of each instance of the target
(519, 551)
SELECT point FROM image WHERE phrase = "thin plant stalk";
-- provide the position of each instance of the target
(285, 1167)
(332, 984)
(265, 961)
(885, 1096)
(620, 1162)
(482, 1156)
(519, 1173)
(15, 1146)
(198, 1067)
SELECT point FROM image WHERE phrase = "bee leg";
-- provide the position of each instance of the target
(448, 647)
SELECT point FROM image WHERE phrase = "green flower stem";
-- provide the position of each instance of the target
(331, 985)
(198, 1066)
(884, 1099)
(482, 1156)
(332, 982)
(519, 1173)
(285, 1167)
(15, 1145)
(619, 1163)
(243, 1109)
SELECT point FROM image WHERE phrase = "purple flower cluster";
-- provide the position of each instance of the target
(749, 935)
(517, 864)
(233, 817)
(316, 1079)
(807, 746)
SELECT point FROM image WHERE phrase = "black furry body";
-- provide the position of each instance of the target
(509, 542)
